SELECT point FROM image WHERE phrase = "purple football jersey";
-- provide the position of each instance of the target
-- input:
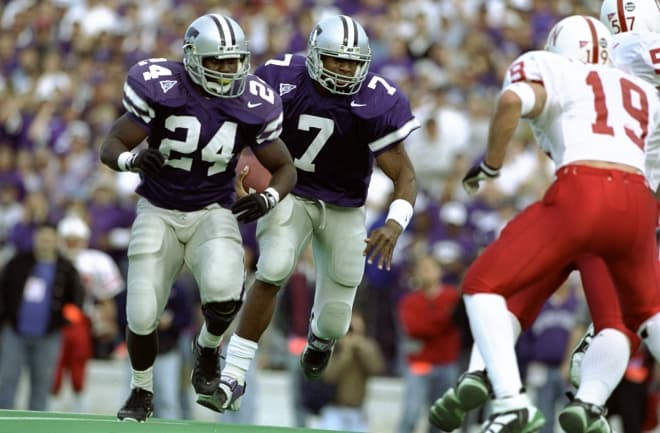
(334, 138)
(200, 135)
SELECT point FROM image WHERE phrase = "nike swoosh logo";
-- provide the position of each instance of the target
(252, 105)
(355, 104)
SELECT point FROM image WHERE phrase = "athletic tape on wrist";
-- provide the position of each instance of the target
(272, 191)
(400, 211)
(123, 161)
(490, 171)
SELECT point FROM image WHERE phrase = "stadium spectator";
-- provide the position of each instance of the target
(431, 341)
(35, 286)
(356, 359)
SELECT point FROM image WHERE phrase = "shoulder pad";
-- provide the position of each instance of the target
(158, 81)
(376, 96)
(285, 73)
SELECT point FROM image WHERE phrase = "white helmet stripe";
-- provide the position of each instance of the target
(350, 31)
(224, 30)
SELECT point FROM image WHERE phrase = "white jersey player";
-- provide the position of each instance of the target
(99, 274)
(593, 121)
(636, 50)
(575, 122)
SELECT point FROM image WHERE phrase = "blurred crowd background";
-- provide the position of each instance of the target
(63, 66)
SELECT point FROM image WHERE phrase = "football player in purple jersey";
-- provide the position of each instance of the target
(338, 119)
(196, 116)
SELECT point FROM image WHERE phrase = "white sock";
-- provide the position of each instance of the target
(603, 366)
(240, 353)
(143, 379)
(490, 322)
(477, 361)
(206, 339)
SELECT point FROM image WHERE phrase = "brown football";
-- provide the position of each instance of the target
(258, 177)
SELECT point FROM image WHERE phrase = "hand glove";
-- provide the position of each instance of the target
(147, 161)
(253, 206)
(476, 174)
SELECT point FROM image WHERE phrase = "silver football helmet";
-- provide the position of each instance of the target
(581, 38)
(342, 37)
(219, 37)
(622, 16)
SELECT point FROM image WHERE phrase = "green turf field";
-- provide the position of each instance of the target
(19, 421)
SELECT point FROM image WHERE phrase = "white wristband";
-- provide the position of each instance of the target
(272, 191)
(400, 211)
(123, 161)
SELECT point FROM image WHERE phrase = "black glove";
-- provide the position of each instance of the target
(253, 206)
(147, 161)
(476, 174)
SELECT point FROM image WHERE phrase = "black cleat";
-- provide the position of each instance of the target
(138, 407)
(316, 355)
(206, 373)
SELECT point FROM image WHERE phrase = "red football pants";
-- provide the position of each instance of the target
(586, 212)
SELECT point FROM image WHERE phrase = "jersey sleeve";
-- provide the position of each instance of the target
(138, 96)
(392, 126)
(525, 68)
(385, 111)
(271, 126)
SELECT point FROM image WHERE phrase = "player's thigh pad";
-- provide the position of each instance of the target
(339, 269)
(155, 258)
(340, 245)
(282, 235)
(214, 254)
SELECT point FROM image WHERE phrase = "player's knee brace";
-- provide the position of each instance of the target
(649, 331)
(333, 320)
(219, 315)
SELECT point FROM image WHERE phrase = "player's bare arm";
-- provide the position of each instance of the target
(519, 100)
(508, 112)
(276, 158)
(397, 166)
(124, 136)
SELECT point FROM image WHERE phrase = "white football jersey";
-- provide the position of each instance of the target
(639, 55)
(99, 274)
(592, 112)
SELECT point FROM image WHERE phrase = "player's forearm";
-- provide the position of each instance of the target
(502, 128)
(110, 151)
(284, 179)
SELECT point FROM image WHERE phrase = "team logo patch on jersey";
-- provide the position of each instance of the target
(166, 85)
(286, 88)
(583, 43)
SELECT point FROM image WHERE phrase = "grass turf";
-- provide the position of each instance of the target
(20, 421)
